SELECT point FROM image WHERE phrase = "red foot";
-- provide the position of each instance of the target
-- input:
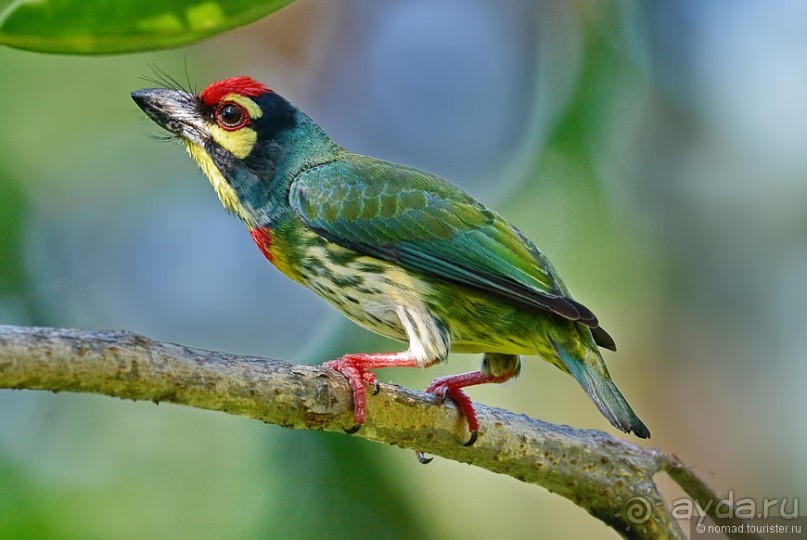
(452, 386)
(355, 369)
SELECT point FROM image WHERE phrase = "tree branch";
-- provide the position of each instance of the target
(610, 478)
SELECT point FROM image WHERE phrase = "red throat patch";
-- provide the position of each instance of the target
(244, 86)
(263, 239)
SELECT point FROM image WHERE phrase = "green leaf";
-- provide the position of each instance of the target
(117, 26)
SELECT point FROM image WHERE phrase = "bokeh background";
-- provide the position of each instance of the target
(656, 151)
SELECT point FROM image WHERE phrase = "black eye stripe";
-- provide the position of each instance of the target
(231, 116)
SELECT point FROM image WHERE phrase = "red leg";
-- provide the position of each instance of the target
(452, 385)
(355, 368)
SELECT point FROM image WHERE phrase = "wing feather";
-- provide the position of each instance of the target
(421, 222)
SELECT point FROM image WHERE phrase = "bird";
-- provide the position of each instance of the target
(400, 251)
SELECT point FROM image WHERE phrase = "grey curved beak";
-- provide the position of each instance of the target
(175, 111)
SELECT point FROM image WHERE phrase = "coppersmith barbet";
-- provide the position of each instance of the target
(398, 250)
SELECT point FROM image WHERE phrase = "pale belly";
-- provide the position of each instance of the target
(371, 292)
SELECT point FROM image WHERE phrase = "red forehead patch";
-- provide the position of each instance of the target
(244, 86)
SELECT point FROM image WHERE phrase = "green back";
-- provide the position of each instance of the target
(421, 222)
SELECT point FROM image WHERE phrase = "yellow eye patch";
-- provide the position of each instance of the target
(251, 107)
(238, 142)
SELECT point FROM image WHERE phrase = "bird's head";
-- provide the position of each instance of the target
(246, 138)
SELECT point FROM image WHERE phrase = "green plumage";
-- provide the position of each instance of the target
(398, 250)
(419, 221)
(493, 289)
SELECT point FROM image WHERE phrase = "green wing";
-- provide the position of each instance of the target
(421, 222)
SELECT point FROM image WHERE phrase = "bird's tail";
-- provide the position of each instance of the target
(593, 376)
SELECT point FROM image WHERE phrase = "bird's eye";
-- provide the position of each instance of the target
(231, 116)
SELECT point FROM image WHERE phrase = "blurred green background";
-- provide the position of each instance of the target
(655, 151)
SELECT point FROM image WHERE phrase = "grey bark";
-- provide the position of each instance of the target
(610, 478)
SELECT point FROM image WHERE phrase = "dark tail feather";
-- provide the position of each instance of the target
(603, 338)
(595, 380)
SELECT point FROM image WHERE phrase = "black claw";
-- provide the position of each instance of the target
(352, 430)
(444, 397)
(472, 440)
(376, 388)
(423, 459)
